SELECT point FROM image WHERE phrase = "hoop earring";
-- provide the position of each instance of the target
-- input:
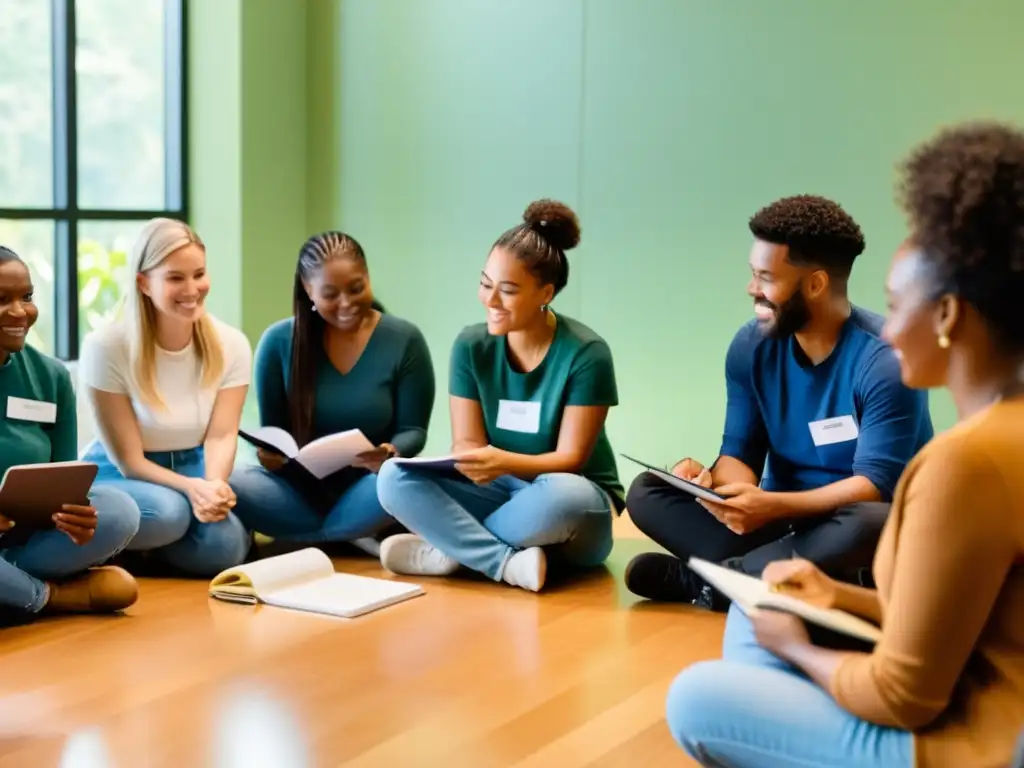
(943, 341)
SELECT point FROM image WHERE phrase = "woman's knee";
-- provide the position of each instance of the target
(575, 494)
(249, 482)
(698, 702)
(117, 518)
(393, 481)
(216, 547)
(165, 514)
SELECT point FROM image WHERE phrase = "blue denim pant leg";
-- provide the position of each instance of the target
(167, 526)
(271, 505)
(751, 709)
(483, 526)
(51, 555)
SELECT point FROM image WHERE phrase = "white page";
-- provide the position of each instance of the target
(327, 455)
(278, 438)
(746, 591)
(280, 571)
(343, 594)
(751, 593)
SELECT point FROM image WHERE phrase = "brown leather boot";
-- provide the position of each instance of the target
(98, 590)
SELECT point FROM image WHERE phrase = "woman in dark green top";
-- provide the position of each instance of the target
(529, 393)
(340, 363)
(56, 569)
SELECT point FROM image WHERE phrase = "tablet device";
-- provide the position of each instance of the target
(30, 494)
(699, 491)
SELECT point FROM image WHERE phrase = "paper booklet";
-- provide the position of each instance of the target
(321, 457)
(750, 593)
(444, 463)
(305, 580)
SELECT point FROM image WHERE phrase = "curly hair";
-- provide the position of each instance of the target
(963, 192)
(817, 231)
(549, 229)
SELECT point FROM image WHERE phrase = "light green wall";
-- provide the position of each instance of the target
(424, 127)
(215, 158)
(666, 123)
(248, 151)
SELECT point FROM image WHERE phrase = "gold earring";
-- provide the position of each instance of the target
(943, 341)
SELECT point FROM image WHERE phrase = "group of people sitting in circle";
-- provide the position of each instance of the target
(836, 487)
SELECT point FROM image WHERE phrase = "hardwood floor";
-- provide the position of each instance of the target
(471, 675)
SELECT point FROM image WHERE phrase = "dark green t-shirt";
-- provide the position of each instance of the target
(38, 423)
(523, 411)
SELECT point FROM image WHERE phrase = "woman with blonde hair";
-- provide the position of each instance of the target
(167, 385)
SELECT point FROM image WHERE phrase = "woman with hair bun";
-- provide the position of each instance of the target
(529, 394)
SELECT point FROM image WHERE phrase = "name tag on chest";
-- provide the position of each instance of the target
(841, 429)
(31, 410)
(518, 416)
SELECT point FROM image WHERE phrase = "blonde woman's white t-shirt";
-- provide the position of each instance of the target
(105, 364)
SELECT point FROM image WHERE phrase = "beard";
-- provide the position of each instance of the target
(790, 317)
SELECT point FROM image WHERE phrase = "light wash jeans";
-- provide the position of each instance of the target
(483, 526)
(271, 505)
(51, 555)
(167, 526)
(751, 709)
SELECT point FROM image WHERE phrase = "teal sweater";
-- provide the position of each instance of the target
(31, 375)
(388, 394)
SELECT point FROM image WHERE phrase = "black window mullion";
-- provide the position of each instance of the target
(65, 188)
(175, 106)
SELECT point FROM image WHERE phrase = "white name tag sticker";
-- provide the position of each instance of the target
(841, 429)
(31, 410)
(519, 416)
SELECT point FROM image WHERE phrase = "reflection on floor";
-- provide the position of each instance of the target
(473, 674)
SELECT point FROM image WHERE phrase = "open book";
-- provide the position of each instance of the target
(750, 593)
(321, 457)
(305, 580)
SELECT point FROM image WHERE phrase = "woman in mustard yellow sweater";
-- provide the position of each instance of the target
(945, 684)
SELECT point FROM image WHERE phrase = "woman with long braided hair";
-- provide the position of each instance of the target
(339, 363)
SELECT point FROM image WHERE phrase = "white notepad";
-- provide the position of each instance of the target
(305, 580)
(750, 593)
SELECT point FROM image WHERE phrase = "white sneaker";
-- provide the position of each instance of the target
(367, 544)
(527, 568)
(409, 554)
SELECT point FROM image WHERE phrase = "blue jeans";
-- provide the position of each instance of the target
(752, 709)
(483, 526)
(167, 527)
(271, 505)
(51, 555)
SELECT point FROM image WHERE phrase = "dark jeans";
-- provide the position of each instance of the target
(842, 544)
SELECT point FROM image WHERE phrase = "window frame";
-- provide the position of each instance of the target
(65, 212)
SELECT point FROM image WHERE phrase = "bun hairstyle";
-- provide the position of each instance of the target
(549, 229)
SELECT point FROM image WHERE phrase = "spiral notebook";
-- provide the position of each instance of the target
(305, 580)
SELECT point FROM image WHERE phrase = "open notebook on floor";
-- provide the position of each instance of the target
(750, 593)
(306, 581)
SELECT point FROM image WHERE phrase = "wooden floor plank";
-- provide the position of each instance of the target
(471, 674)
